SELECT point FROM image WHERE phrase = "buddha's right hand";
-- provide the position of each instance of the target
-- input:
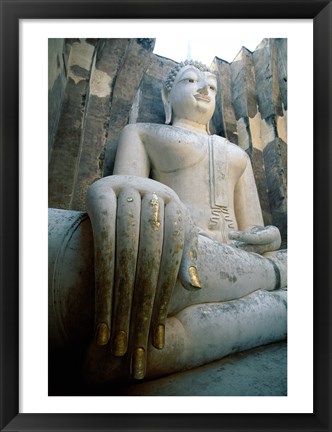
(139, 236)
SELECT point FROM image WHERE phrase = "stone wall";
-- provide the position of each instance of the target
(57, 80)
(97, 86)
(252, 112)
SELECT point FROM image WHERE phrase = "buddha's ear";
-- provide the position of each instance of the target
(167, 105)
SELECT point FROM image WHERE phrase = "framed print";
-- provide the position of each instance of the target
(39, 387)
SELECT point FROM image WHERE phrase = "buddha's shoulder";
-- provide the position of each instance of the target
(150, 134)
(232, 149)
(164, 129)
(147, 128)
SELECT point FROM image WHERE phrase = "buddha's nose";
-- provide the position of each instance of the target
(203, 87)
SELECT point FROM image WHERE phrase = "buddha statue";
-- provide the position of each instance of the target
(179, 242)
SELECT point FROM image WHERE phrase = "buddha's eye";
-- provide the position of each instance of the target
(191, 80)
(212, 87)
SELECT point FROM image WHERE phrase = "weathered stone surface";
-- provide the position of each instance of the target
(148, 102)
(224, 121)
(91, 159)
(281, 63)
(271, 77)
(257, 372)
(260, 178)
(67, 145)
(69, 233)
(128, 80)
(109, 56)
(244, 134)
(269, 61)
(57, 80)
(263, 74)
(276, 183)
(243, 85)
(104, 76)
(147, 44)
(65, 153)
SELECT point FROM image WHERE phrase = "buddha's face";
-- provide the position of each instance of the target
(193, 94)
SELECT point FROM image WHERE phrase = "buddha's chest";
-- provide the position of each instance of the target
(177, 150)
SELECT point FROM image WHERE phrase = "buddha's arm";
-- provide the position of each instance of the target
(131, 157)
(252, 235)
(246, 202)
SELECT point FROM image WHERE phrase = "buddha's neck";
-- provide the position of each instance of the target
(190, 125)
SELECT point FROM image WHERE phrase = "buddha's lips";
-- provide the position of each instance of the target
(204, 98)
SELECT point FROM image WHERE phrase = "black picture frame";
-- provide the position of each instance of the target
(11, 11)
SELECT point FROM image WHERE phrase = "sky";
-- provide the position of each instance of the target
(199, 50)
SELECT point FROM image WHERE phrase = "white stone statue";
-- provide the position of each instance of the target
(180, 244)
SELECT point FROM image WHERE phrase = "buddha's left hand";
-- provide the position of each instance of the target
(144, 240)
(257, 239)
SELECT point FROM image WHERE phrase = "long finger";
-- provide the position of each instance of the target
(101, 207)
(128, 224)
(170, 263)
(152, 224)
(188, 273)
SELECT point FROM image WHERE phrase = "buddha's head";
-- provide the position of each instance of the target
(189, 93)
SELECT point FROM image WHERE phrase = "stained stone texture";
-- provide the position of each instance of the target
(106, 111)
(150, 106)
(109, 54)
(103, 78)
(243, 85)
(224, 120)
(128, 80)
(66, 150)
(276, 183)
(71, 307)
(57, 80)
(259, 100)
(262, 187)
(108, 83)
(146, 105)
(271, 76)
(257, 372)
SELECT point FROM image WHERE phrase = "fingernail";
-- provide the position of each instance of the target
(194, 277)
(102, 334)
(120, 343)
(159, 336)
(138, 363)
